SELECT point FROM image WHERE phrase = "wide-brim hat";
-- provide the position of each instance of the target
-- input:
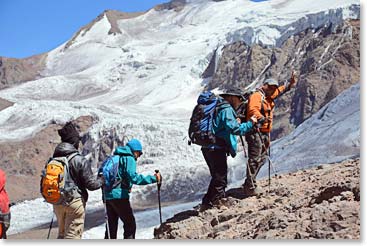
(271, 81)
(231, 91)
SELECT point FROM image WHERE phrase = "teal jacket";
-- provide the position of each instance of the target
(226, 126)
(127, 170)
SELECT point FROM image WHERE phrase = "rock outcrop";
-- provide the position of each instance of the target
(327, 59)
(4, 104)
(317, 203)
(176, 5)
(113, 16)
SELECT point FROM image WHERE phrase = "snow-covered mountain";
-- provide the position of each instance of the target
(143, 81)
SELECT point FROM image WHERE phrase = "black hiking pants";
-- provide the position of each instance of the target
(216, 159)
(258, 143)
(120, 208)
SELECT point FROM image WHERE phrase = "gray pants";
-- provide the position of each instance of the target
(258, 143)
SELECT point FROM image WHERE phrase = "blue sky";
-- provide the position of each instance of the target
(30, 27)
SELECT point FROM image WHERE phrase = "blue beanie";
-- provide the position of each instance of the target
(135, 145)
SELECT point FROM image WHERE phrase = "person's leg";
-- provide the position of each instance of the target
(254, 159)
(4, 224)
(60, 212)
(2, 231)
(113, 220)
(126, 214)
(207, 197)
(264, 141)
(217, 162)
(74, 221)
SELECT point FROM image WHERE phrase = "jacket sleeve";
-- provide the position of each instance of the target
(136, 178)
(230, 122)
(280, 91)
(90, 181)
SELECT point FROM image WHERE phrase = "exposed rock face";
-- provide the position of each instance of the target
(318, 203)
(4, 104)
(112, 15)
(326, 59)
(14, 71)
(24, 160)
(176, 5)
(97, 151)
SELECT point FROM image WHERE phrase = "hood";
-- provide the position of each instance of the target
(64, 149)
(2, 179)
(123, 151)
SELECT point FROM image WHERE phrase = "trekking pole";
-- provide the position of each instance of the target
(159, 197)
(243, 145)
(105, 213)
(269, 179)
(263, 146)
(248, 167)
(270, 162)
(49, 230)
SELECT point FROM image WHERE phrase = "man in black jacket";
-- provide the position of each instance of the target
(70, 216)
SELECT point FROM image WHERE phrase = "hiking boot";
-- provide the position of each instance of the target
(222, 203)
(202, 207)
(252, 192)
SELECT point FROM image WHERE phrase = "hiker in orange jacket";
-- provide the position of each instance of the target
(261, 104)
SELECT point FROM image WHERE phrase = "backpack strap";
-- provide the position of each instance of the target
(220, 102)
(71, 156)
(262, 110)
(120, 177)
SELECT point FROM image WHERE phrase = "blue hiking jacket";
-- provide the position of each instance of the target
(226, 126)
(127, 169)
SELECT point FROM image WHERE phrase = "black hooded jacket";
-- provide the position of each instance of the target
(80, 170)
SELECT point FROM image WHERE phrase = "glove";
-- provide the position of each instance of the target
(293, 80)
(158, 177)
(253, 120)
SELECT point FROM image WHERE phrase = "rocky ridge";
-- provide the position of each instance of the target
(112, 16)
(318, 203)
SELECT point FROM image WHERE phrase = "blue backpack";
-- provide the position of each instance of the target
(109, 170)
(201, 121)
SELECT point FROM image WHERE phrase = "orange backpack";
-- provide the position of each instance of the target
(56, 184)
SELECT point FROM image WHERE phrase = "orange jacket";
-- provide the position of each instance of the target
(254, 107)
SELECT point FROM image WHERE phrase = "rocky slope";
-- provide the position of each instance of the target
(326, 58)
(14, 71)
(317, 203)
